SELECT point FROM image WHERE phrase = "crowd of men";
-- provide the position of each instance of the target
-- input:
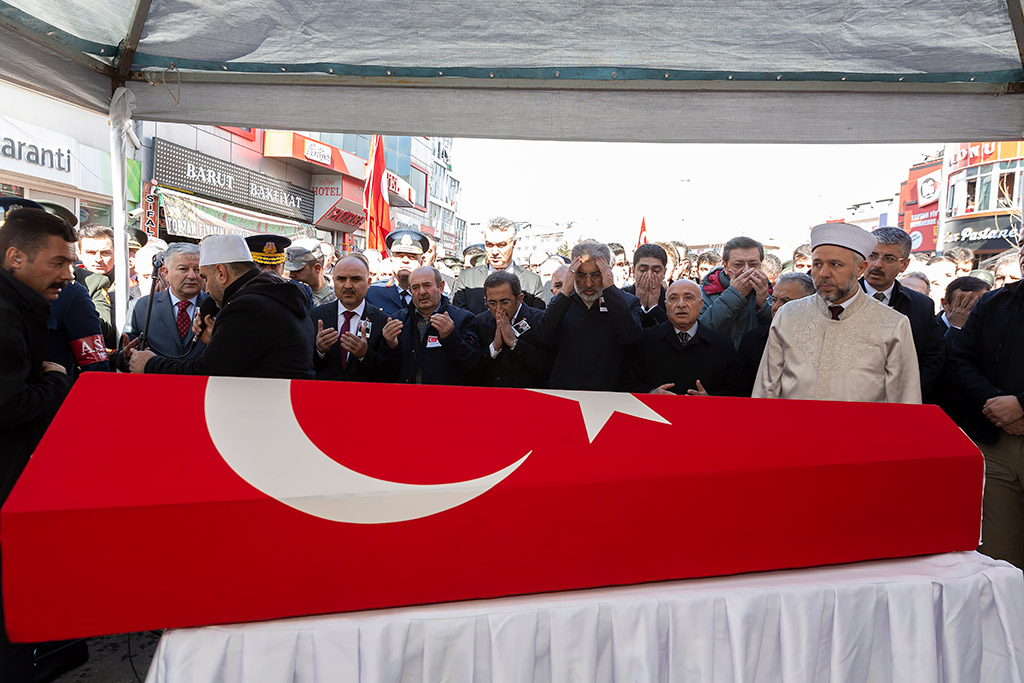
(846, 318)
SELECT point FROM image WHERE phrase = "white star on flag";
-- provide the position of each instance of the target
(597, 407)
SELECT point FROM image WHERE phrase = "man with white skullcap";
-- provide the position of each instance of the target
(839, 345)
(262, 329)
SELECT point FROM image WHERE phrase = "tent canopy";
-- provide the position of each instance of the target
(642, 70)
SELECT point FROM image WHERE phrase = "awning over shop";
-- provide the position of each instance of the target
(189, 216)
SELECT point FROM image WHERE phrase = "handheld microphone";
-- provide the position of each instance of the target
(208, 307)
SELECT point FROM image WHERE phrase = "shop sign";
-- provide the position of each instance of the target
(318, 152)
(151, 214)
(38, 152)
(194, 172)
(448, 240)
(338, 202)
(928, 187)
(188, 217)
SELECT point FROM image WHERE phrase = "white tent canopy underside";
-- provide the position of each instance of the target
(642, 70)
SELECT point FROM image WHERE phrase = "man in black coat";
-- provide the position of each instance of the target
(681, 356)
(430, 342)
(499, 241)
(263, 327)
(891, 257)
(349, 331)
(649, 264)
(589, 324)
(987, 369)
(509, 331)
(37, 255)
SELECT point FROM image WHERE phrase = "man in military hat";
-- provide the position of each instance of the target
(307, 266)
(268, 251)
(407, 248)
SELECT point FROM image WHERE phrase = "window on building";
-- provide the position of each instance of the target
(93, 212)
(418, 180)
(12, 190)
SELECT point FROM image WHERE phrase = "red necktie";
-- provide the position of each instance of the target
(345, 327)
(184, 322)
(835, 311)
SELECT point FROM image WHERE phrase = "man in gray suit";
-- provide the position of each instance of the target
(170, 325)
(499, 242)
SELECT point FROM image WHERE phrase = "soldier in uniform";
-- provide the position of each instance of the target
(407, 248)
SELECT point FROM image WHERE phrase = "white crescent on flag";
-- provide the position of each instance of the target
(284, 464)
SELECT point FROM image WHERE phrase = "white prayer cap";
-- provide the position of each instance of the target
(223, 249)
(843, 235)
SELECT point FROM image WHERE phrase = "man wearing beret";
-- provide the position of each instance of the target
(841, 344)
(262, 329)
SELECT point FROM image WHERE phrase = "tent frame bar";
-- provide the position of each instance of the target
(153, 77)
(1016, 11)
(123, 61)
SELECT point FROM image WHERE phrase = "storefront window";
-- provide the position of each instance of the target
(984, 193)
(94, 212)
(11, 190)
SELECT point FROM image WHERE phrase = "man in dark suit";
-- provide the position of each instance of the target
(500, 242)
(509, 330)
(961, 295)
(407, 248)
(649, 264)
(349, 330)
(891, 257)
(681, 356)
(589, 324)
(170, 324)
(430, 342)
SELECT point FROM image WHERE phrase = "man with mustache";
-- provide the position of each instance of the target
(590, 323)
(37, 252)
(887, 260)
(841, 344)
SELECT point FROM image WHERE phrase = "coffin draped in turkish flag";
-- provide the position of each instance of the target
(248, 499)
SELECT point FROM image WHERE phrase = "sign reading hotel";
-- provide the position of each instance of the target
(337, 203)
(190, 171)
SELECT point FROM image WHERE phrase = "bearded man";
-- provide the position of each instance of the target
(839, 345)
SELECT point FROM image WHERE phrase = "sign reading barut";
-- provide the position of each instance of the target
(185, 169)
(251, 522)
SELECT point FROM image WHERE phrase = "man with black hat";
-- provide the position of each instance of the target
(263, 327)
(841, 344)
(407, 248)
(37, 255)
(268, 251)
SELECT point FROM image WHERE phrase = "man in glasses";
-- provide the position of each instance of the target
(512, 358)
(889, 259)
(589, 323)
(500, 238)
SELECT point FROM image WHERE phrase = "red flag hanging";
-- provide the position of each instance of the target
(642, 239)
(375, 198)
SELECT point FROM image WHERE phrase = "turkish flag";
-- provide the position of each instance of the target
(376, 205)
(642, 238)
(250, 499)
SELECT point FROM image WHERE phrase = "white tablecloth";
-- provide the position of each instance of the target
(953, 618)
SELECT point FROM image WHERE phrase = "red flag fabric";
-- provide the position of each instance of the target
(375, 198)
(273, 511)
(642, 239)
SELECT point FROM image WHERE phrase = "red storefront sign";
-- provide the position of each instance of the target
(258, 505)
(919, 207)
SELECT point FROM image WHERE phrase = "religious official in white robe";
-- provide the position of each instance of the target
(866, 355)
(840, 344)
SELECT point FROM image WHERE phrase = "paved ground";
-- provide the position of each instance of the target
(109, 661)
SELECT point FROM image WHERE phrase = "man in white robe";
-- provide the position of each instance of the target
(839, 345)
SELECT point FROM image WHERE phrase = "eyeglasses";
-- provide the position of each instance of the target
(491, 303)
(888, 259)
(580, 275)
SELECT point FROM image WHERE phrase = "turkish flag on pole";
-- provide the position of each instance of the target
(642, 239)
(375, 198)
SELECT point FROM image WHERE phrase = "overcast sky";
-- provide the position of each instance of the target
(696, 193)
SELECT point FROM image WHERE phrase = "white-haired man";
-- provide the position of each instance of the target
(500, 238)
(840, 345)
(262, 329)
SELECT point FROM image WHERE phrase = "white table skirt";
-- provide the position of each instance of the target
(952, 618)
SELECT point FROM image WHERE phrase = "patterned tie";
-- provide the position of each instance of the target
(684, 338)
(345, 327)
(183, 321)
(835, 311)
(880, 296)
